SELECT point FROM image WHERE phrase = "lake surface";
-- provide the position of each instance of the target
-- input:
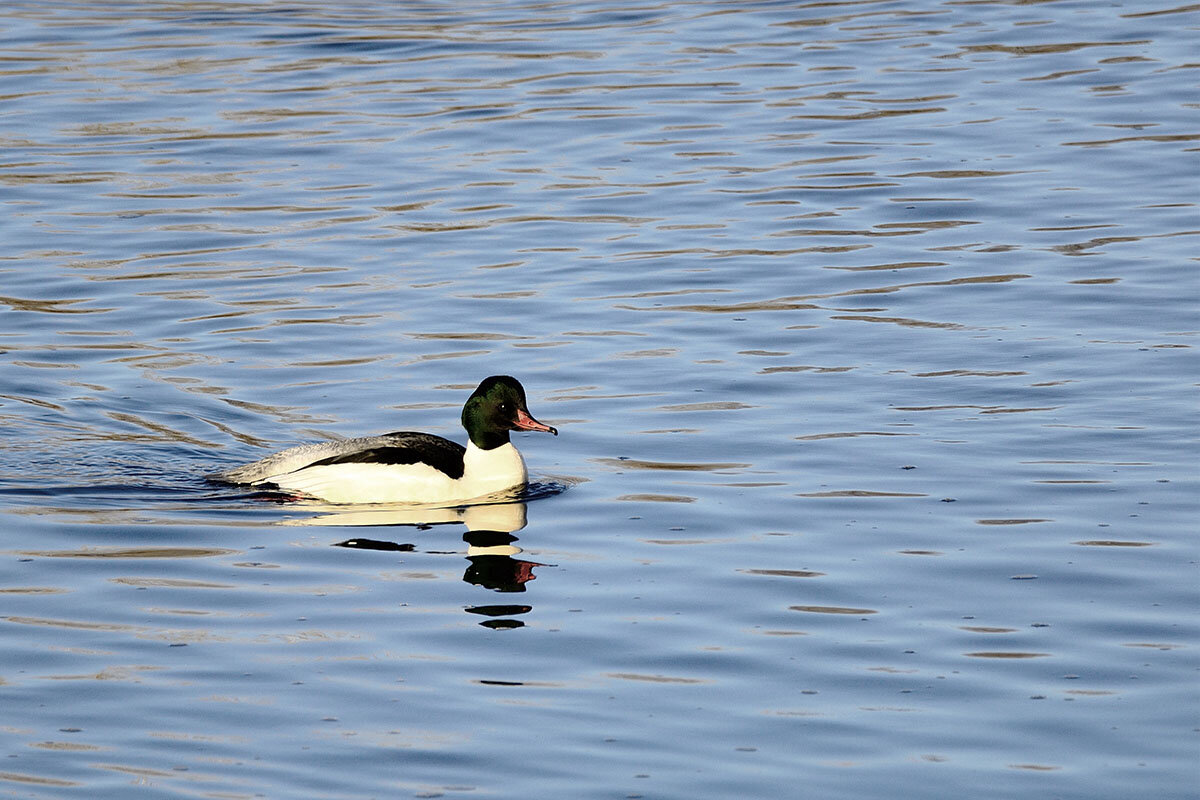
(869, 328)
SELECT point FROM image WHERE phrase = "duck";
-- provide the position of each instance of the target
(409, 467)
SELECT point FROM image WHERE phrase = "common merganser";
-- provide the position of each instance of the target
(406, 467)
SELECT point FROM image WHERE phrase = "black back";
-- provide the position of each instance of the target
(406, 447)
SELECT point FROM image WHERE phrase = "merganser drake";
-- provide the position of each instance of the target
(406, 467)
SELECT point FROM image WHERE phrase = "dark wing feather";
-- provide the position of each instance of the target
(405, 447)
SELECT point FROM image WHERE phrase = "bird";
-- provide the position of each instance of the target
(409, 467)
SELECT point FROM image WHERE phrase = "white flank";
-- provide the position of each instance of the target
(485, 472)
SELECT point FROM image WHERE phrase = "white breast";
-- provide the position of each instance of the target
(493, 470)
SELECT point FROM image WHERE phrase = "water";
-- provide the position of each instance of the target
(869, 329)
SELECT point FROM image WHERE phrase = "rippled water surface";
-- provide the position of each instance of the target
(869, 329)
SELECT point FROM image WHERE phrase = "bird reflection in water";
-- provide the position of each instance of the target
(491, 547)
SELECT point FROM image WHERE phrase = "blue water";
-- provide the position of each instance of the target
(869, 329)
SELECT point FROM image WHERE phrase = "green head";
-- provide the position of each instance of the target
(494, 409)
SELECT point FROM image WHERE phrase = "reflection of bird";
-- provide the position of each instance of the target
(410, 467)
(491, 545)
(508, 516)
(492, 563)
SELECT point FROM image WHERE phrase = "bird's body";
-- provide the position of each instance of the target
(407, 467)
